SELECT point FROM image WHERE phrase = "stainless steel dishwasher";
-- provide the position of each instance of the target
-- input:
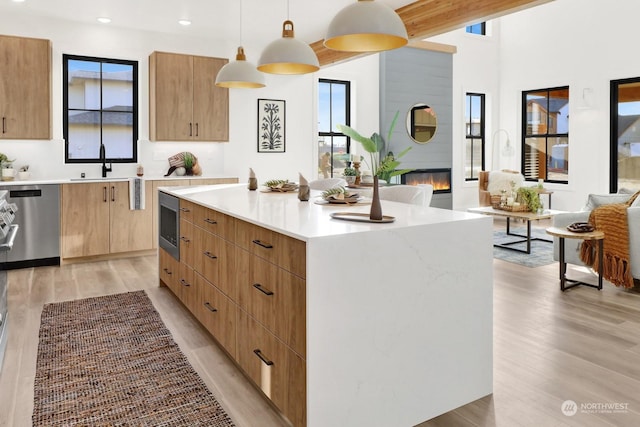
(38, 242)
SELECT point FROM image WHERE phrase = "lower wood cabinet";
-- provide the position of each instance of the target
(250, 296)
(96, 220)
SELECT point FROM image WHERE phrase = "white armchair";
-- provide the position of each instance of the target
(327, 183)
(411, 194)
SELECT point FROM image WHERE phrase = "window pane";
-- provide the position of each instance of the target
(324, 110)
(117, 87)
(537, 113)
(627, 145)
(84, 85)
(534, 158)
(559, 111)
(558, 159)
(338, 104)
(476, 28)
(84, 135)
(117, 134)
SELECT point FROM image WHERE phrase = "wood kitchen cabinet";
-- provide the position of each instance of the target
(184, 102)
(97, 220)
(25, 88)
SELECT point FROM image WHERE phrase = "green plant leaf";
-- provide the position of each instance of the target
(393, 125)
(367, 143)
(380, 143)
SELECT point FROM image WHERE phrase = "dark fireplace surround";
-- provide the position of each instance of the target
(440, 178)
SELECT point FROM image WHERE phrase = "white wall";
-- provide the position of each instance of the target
(232, 158)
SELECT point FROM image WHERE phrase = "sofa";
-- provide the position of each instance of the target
(572, 246)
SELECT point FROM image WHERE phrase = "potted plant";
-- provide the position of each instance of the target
(189, 161)
(383, 164)
(349, 174)
(529, 196)
(7, 167)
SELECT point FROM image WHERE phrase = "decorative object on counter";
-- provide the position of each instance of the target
(303, 189)
(281, 185)
(529, 197)
(350, 175)
(253, 181)
(271, 126)
(140, 170)
(340, 195)
(23, 173)
(185, 160)
(8, 173)
(383, 162)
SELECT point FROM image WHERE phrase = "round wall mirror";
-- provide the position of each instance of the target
(422, 123)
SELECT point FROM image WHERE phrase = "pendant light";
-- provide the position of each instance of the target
(288, 55)
(366, 26)
(240, 73)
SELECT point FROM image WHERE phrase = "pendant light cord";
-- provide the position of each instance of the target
(240, 26)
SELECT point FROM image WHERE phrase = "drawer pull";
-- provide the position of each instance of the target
(210, 307)
(185, 283)
(264, 245)
(264, 359)
(210, 221)
(259, 287)
(210, 255)
(184, 239)
(185, 210)
(166, 270)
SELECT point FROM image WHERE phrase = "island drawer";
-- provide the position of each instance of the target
(168, 269)
(273, 367)
(217, 313)
(214, 259)
(274, 297)
(187, 242)
(187, 209)
(284, 251)
(214, 222)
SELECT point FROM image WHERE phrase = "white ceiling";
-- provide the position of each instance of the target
(217, 19)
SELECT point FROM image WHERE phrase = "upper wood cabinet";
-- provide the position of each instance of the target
(184, 102)
(25, 88)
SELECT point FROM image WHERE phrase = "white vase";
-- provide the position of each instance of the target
(8, 174)
(24, 175)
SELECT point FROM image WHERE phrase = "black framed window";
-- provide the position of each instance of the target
(334, 105)
(625, 134)
(479, 28)
(545, 134)
(474, 160)
(100, 106)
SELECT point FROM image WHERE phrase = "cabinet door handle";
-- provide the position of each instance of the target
(262, 289)
(104, 194)
(190, 129)
(210, 255)
(210, 307)
(184, 239)
(185, 210)
(197, 131)
(185, 283)
(264, 245)
(113, 193)
(266, 361)
(166, 270)
(4, 125)
(210, 221)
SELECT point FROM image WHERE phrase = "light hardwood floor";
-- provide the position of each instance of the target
(549, 347)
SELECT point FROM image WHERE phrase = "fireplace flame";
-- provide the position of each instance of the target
(440, 180)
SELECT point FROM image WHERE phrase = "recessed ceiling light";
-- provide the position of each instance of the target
(17, 1)
(104, 20)
(184, 22)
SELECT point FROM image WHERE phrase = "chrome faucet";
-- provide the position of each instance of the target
(103, 157)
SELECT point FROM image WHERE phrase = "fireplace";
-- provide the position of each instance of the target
(439, 178)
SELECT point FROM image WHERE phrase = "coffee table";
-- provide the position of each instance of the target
(526, 216)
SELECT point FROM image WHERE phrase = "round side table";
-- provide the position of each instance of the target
(563, 233)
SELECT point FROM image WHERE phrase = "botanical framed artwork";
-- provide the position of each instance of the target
(271, 126)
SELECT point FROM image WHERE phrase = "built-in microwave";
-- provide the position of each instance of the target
(169, 224)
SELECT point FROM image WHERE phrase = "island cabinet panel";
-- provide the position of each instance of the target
(186, 288)
(274, 297)
(275, 368)
(217, 313)
(276, 248)
(186, 210)
(188, 241)
(168, 271)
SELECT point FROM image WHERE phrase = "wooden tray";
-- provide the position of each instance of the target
(360, 217)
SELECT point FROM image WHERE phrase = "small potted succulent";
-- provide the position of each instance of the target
(7, 168)
(349, 174)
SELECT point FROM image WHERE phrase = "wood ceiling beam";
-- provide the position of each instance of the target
(428, 18)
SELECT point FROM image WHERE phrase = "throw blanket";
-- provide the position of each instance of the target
(612, 220)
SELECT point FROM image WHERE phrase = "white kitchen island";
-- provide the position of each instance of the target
(398, 315)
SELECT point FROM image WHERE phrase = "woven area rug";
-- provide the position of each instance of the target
(541, 252)
(110, 361)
